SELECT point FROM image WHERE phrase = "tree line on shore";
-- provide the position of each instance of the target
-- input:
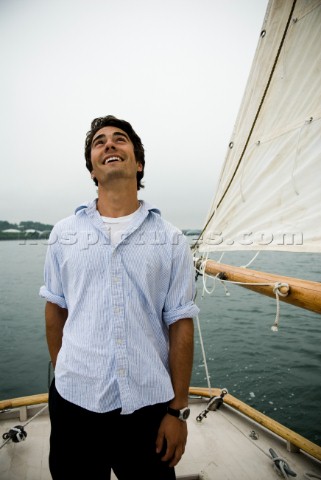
(24, 229)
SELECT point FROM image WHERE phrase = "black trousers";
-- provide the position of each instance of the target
(87, 445)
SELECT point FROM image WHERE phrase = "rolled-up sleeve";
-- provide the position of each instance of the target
(180, 297)
(52, 289)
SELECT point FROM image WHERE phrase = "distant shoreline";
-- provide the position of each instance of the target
(24, 230)
(22, 238)
(37, 231)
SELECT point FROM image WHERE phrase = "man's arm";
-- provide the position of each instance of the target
(181, 349)
(55, 321)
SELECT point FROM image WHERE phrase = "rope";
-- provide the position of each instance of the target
(251, 261)
(36, 415)
(204, 355)
(203, 273)
(278, 293)
(281, 466)
(5, 442)
(276, 288)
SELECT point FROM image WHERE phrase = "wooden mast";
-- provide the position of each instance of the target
(300, 293)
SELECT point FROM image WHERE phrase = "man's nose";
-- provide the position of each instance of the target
(110, 144)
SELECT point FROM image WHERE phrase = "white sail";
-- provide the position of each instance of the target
(269, 194)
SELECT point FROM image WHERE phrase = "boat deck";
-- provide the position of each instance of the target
(220, 448)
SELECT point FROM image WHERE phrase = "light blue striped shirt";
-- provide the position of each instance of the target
(121, 300)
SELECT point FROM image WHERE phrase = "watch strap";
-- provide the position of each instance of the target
(182, 414)
(173, 411)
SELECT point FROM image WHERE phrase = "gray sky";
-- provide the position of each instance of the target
(175, 69)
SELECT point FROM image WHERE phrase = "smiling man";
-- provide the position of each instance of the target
(119, 324)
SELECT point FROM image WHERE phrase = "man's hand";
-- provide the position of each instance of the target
(172, 432)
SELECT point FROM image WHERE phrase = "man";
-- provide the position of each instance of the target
(119, 287)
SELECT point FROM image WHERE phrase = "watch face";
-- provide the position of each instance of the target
(185, 413)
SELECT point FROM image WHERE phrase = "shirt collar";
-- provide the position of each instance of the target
(90, 208)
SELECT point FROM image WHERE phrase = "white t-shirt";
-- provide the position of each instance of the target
(115, 227)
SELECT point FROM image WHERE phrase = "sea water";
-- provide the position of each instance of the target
(278, 373)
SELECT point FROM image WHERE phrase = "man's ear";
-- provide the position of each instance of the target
(139, 167)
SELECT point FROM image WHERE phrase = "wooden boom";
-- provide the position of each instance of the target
(301, 293)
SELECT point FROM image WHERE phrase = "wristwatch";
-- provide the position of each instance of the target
(181, 414)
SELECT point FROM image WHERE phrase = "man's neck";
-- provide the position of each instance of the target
(117, 203)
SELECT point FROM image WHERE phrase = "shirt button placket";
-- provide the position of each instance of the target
(119, 325)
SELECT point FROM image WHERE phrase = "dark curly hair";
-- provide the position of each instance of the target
(111, 121)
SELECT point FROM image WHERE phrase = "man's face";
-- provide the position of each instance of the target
(112, 156)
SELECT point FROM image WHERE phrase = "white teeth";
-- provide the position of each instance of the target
(112, 159)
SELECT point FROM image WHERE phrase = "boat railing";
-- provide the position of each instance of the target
(294, 441)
